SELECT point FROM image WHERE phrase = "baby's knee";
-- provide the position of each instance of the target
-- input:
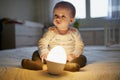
(35, 56)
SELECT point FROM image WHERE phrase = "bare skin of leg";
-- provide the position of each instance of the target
(76, 64)
(36, 63)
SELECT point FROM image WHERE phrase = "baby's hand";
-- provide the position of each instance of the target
(70, 57)
(43, 56)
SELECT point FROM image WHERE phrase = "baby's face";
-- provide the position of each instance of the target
(62, 18)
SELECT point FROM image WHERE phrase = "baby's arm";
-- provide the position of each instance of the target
(43, 44)
(79, 45)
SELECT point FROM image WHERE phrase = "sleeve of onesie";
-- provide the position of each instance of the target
(43, 43)
(79, 45)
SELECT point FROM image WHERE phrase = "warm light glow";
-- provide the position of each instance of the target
(57, 54)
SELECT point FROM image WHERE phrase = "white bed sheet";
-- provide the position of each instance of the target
(103, 64)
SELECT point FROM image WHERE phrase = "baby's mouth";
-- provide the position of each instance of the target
(58, 22)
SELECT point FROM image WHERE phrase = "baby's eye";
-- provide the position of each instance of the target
(56, 16)
(63, 16)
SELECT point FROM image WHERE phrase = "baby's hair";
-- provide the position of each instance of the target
(66, 5)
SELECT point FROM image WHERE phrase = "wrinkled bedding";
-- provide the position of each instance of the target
(103, 64)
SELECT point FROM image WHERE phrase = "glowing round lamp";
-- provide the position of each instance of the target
(56, 60)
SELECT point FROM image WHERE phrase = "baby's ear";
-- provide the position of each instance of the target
(72, 20)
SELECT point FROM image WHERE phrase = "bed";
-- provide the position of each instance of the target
(103, 64)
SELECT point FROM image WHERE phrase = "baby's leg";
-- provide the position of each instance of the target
(36, 56)
(34, 64)
(76, 64)
(81, 60)
(73, 67)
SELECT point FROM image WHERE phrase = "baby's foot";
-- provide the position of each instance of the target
(72, 67)
(32, 65)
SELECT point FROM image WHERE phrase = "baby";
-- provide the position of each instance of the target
(60, 34)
